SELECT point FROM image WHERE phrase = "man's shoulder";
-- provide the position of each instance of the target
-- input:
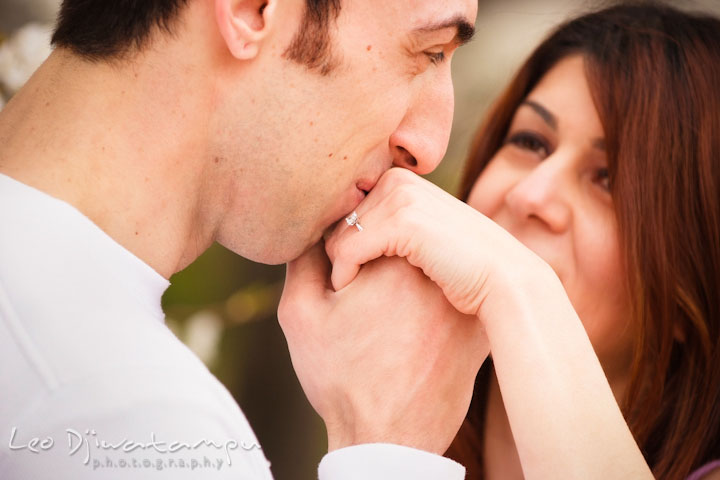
(169, 400)
(147, 432)
(106, 370)
(71, 348)
(109, 368)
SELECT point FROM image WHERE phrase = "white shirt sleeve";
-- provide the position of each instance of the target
(383, 461)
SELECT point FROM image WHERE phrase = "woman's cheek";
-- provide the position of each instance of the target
(602, 301)
(488, 194)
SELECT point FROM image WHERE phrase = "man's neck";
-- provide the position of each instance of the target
(123, 144)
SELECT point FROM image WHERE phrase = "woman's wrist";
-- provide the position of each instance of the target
(514, 287)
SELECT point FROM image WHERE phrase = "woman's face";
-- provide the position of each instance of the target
(548, 186)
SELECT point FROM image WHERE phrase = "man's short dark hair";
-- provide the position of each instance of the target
(110, 29)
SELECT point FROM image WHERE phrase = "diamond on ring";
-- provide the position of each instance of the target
(353, 220)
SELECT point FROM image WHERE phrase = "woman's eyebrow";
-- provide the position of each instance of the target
(551, 120)
(544, 113)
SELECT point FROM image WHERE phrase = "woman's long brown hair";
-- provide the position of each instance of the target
(655, 77)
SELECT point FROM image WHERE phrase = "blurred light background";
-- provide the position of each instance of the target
(223, 306)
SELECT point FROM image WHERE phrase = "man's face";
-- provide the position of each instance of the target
(319, 142)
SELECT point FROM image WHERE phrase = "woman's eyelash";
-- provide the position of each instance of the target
(603, 176)
(531, 142)
(536, 144)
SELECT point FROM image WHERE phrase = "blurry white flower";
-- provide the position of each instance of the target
(203, 331)
(22, 54)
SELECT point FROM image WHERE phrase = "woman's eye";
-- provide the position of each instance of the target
(603, 177)
(530, 142)
(436, 57)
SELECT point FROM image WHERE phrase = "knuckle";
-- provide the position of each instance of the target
(406, 217)
(404, 175)
(402, 196)
(395, 177)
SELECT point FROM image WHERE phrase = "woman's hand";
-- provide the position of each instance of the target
(456, 246)
(564, 418)
(387, 359)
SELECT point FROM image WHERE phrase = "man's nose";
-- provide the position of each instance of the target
(544, 194)
(420, 141)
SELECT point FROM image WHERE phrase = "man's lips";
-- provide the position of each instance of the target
(359, 197)
(366, 185)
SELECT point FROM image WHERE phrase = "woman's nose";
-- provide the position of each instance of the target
(544, 194)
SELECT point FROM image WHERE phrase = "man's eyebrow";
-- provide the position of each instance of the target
(549, 118)
(465, 30)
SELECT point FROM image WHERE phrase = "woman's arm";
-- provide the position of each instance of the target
(563, 415)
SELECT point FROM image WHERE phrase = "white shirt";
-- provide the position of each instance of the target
(94, 385)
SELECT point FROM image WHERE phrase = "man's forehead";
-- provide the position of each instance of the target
(422, 12)
(416, 13)
(418, 21)
(422, 16)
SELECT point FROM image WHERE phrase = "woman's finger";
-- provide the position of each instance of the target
(307, 276)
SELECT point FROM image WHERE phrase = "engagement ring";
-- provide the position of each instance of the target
(353, 220)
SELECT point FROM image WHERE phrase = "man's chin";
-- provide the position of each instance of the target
(274, 252)
(270, 253)
(287, 253)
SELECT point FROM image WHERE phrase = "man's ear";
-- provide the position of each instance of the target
(244, 24)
